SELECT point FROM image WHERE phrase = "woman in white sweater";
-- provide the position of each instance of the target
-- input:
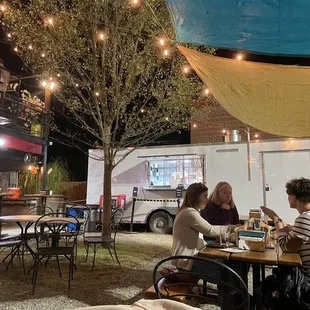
(189, 227)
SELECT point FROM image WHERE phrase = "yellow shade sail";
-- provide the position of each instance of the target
(272, 98)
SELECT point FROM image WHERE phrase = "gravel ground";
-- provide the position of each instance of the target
(108, 284)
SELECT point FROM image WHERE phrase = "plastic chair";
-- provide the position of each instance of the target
(232, 291)
(53, 227)
(95, 242)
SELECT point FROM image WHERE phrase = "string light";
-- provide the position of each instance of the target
(207, 92)
(50, 21)
(102, 36)
(256, 136)
(142, 110)
(186, 69)
(97, 94)
(135, 3)
(76, 85)
(30, 47)
(43, 55)
(58, 75)
(239, 57)
(166, 52)
(2, 8)
(52, 86)
(15, 49)
(223, 131)
(44, 83)
(167, 118)
(162, 41)
(51, 78)
(9, 35)
(194, 125)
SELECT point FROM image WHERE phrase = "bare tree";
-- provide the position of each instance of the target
(114, 69)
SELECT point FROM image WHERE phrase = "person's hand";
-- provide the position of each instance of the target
(287, 229)
(225, 206)
(270, 213)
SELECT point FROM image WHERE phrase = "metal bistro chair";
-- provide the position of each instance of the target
(95, 242)
(14, 246)
(54, 226)
(232, 291)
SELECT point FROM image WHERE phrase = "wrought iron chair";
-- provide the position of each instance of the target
(14, 245)
(54, 226)
(232, 291)
(95, 242)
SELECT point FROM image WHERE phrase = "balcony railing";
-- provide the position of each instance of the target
(23, 115)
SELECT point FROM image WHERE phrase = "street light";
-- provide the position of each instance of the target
(4, 77)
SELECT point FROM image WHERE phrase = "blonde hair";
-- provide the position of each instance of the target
(191, 199)
(215, 194)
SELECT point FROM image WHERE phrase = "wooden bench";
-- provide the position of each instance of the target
(176, 289)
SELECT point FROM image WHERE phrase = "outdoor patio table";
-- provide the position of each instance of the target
(258, 260)
(29, 220)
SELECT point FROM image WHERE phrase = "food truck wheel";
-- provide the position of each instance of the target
(161, 223)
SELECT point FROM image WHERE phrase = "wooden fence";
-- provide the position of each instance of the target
(74, 190)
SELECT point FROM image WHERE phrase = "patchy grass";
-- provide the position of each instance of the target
(107, 284)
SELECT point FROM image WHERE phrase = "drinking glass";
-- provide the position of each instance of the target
(224, 235)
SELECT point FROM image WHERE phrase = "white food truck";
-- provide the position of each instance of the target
(257, 172)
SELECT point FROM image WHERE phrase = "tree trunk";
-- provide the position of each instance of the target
(107, 200)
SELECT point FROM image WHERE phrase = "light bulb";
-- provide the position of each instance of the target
(51, 78)
(167, 118)
(142, 110)
(239, 57)
(29, 168)
(256, 136)
(2, 7)
(97, 94)
(43, 83)
(9, 35)
(135, 2)
(15, 49)
(58, 75)
(186, 69)
(30, 47)
(102, 36)
(76, 85)
(223, 131)
(43, 55)
(194, 125)
(207, 92)
(50, 21)
(52, 85)
(166, 52)
(162, 42)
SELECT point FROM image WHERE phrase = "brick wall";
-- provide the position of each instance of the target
(209, 129)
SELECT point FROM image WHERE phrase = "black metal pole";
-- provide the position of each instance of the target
(179, 203)
(132, 213)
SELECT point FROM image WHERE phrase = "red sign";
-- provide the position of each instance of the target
(21, 145)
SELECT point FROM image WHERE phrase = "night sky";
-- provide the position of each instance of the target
(77, 161)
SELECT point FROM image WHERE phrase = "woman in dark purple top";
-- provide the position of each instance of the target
(221, 209)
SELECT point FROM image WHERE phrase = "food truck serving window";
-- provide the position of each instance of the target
(172, 171)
